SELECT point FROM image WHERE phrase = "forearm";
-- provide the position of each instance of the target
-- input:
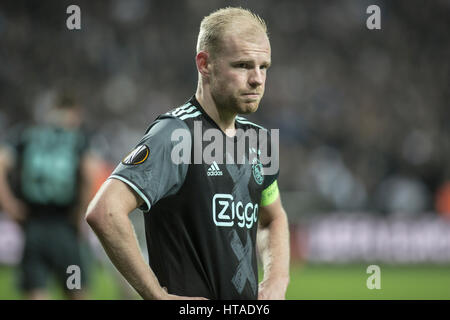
(118, 238)
(273, 246)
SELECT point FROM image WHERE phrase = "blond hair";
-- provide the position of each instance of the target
(213, 26)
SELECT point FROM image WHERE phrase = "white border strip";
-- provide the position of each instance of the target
(187, 110)
(139, 192)
(184, 106)
(248, 122)
(245, 121)
(192, 115)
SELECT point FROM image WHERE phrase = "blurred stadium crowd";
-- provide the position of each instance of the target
(363, 115)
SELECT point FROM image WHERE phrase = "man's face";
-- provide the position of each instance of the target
(239, 71)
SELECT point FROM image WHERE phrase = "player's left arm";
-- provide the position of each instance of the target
(273, 246)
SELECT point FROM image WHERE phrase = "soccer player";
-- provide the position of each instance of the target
(201, 219)
(45, 183)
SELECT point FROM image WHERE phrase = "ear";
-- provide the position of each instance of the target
(202, 61)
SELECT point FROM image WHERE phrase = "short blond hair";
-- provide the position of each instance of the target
(213, 26)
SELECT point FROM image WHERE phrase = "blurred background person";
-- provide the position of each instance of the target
(46, 174)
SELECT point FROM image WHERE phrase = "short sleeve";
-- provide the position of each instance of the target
(153, 169)
(269, 156)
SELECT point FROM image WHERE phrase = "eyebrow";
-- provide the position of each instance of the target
(267, 64)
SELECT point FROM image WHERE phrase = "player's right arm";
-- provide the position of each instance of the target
(107, 215)
(146, 175)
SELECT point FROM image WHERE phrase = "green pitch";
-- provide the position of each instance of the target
(307, 282)
(350, 282)
(103, 285)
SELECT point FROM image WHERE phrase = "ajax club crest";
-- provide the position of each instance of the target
(257, 169)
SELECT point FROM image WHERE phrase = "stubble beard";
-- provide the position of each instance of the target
(233, 104)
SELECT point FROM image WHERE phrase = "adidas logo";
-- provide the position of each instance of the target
(214, 170)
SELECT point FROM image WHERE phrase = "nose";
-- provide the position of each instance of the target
(256, 77)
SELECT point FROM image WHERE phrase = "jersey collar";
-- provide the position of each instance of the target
(193, 100)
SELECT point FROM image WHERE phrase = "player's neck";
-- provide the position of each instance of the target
(223, 118)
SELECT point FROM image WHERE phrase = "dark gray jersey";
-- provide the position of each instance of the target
(201, 216)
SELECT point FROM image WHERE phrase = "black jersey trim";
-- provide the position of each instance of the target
(238, 125)
(243, 120)
(238, 119)
(195, 102)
